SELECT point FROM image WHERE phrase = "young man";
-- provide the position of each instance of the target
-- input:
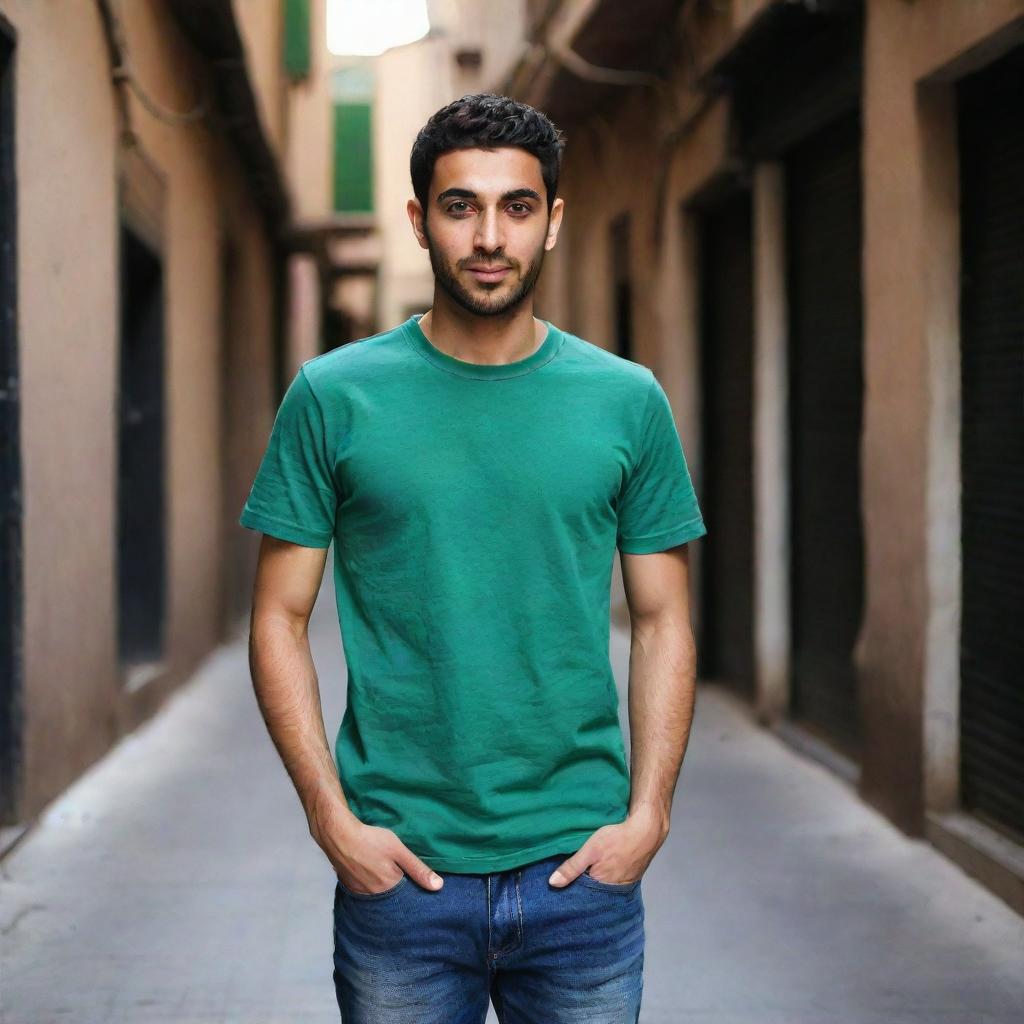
(476, 468)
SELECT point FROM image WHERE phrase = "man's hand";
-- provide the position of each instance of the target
(365, 857)
(615, 853)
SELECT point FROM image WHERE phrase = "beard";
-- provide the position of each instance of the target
(482, 304)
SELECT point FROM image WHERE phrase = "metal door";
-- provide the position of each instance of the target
(991, 128)
(823, 198)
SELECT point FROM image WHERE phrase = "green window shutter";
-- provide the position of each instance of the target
(353, 158)
(352, 92)
(296, 39)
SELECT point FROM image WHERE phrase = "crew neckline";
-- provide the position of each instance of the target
(482, 371)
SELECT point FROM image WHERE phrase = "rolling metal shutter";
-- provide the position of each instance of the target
(992, 443)
(823, 189)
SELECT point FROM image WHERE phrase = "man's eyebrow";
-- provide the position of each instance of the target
(520, 193)
(465, 193)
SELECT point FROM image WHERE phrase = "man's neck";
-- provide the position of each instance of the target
(490, 340)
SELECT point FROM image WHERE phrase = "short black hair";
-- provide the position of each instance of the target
(486, 121)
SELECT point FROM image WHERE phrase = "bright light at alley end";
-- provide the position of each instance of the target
(367, 28)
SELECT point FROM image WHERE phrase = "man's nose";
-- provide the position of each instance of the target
(489, 235)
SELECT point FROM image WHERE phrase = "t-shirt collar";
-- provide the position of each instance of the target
(482, 371)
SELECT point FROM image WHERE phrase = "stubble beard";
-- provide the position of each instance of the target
(481, 305)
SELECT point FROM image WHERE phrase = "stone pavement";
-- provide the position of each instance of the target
(176, 882)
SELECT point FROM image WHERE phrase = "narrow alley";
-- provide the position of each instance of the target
(176, 882)
(272, 267)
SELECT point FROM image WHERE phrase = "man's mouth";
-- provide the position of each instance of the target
(489, 273)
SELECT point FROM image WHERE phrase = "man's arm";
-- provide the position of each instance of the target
(288, 577)
(662, 678)
(284, 677)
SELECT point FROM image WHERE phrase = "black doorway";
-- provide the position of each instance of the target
(141, 499)
(726, 347)
(826, 387)
(11, 603)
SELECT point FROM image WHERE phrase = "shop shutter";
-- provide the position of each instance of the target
(823, 199)
(992, 443)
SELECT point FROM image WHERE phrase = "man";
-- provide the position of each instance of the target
(476, 468)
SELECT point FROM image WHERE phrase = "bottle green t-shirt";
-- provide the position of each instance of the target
(475, 510)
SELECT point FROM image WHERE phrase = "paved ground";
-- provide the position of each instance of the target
(176, 882)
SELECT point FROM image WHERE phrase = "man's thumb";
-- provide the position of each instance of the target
(567, 870)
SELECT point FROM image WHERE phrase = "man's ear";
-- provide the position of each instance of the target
(418, 220)
(554, 223)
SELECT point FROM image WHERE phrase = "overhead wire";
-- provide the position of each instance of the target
(124, 75)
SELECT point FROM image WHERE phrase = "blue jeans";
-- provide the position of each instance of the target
(544, 955)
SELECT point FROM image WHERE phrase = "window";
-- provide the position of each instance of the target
(352, 96)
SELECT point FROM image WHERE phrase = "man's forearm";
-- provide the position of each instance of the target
(288, 693)
(662, 691)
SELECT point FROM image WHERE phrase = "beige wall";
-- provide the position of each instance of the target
(496, 29)
(412, 82)
(260, 24)
(66, 155)
(297, 116)
(909, 650)
(309, 149)
(67, 316)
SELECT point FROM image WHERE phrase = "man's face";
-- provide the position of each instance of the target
(487, 227)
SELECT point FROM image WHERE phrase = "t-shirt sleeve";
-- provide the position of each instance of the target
(657, 507)
(293, 496)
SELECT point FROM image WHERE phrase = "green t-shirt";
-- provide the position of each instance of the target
(475, 511)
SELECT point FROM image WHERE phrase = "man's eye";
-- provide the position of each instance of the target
(458, 202)
(523, 208)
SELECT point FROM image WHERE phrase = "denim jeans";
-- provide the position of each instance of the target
(544, 955)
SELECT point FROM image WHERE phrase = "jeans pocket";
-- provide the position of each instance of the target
(345, 890)
(621, 887)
